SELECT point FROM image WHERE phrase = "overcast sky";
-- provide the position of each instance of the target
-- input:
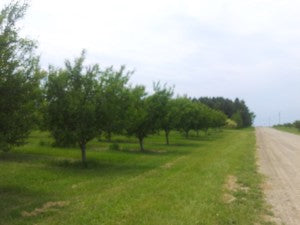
(230, 48)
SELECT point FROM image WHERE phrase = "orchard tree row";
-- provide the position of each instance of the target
(83, 101)
(77, 103)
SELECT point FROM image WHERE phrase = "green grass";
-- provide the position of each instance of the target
(293, 130)
(178, 184)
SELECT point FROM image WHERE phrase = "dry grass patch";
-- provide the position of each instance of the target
(45, 208)
(168, 165)
(231, 185)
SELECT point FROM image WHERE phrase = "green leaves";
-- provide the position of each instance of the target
(71, 96)
(191, 115)
(160, 108)
(113, 100)
(236, 110)
(297, 124)
(139, 122)
(19, 82)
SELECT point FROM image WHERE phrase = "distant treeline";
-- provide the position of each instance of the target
(237, 110)
(78, 102)
(295, 124)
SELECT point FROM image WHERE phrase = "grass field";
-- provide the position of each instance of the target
(293, 130)
(184, 183)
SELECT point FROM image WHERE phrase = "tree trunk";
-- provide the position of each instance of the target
(83, 154)
(167, 136)
(141, 144)
(206, 131)
(187, 134)
(109, 136)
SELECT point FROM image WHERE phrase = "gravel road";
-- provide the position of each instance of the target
(279, 161)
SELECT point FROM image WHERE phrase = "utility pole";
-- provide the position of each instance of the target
(279, 118)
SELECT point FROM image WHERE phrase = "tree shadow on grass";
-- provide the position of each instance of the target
(93, 164)
(103, 172)
(73, 164)
(23, 157)
(114, 163)
(119, 140)
(204, 138)
(116, 167)
(179, 144)
(156, 150)
(16, 199)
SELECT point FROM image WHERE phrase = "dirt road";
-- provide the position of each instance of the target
(279, 160)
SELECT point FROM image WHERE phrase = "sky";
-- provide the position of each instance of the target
(230, 48)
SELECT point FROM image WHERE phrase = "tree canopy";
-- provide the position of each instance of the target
(237, 110)
(161, 108)
(19, 82)
(113, 100)
(139, 122)
(71, 104)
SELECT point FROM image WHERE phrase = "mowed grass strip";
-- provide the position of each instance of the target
(183, 183)
(292, 130)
